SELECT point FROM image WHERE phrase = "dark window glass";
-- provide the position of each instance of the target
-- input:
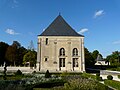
(62, 62)
(75, 52)
(75, 62)
(62, 52)
(45, 59)
(46, 41)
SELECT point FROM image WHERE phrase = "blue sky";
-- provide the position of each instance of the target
(97, 20)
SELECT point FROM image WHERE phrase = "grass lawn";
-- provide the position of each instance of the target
(113, 83)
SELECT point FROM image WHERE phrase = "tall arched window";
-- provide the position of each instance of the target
(62, 52)
(75, 52)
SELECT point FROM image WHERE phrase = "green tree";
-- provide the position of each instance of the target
(15, 53)
(3, 48)
(11, 55)
(95, 54)
(113, 58)
(16, 44)
(21, 52)
(30, 57)
(89, 60)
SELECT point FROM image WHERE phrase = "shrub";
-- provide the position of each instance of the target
(47, 74)
(97, 74)
(5, 70)
(119, 76)
(87, 75)
(99, 78)
(64, 74)
(33, 72)
(109, 77)
(84, 84)
(18, 72)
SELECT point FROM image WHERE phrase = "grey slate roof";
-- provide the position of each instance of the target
(59, 27)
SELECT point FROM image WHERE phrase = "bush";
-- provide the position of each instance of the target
(87, 75)
(10, 85)
(50, 84)
(33, 72)
(47, 74)
(99, 78)
(84, 84)
(109, 77)
(18, 72)
(97, 74)
(64, 74)
(119, 76)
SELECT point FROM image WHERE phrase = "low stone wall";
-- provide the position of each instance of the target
(108, 72)
(14, 69)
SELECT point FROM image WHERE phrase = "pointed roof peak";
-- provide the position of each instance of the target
(59, 27)
(59, 13)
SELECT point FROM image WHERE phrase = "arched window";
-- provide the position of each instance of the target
(75, 52)
(62, 52)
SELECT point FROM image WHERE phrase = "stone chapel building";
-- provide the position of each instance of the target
(60, 48)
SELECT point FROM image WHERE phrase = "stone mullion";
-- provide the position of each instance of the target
(83, 57)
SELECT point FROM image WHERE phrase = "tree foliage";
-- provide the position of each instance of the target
(21, 52)
(3, 48)
(89, 60)
(14, 54)
(11, 55)
(95, 54)
(114, 58)
(30, 57)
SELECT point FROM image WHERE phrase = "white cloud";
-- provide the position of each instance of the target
(116, 42)
(83, 30)
(44, 29)
(11, 31)
(98, 13)
(14, 3)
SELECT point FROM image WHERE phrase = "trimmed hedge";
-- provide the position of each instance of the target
(47, 74)
(109, 77)
(18, 72)
(87, 75)
(113, 83)
(119, 76)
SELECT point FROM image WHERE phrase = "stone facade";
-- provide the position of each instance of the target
(60, 53)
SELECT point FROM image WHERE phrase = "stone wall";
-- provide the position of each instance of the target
(14, 69)
(108, 72)
(51, 52)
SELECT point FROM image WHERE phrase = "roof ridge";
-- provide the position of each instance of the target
(59, 27)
